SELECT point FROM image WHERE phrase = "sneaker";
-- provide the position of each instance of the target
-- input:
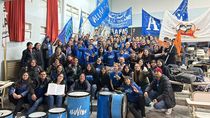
(168, 111)
(158, 110)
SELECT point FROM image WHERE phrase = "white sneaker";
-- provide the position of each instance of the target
(168, 111)
(158, 110)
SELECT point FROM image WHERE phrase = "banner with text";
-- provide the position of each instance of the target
(120, 20)
(99, 14)
(150, 25)
(119, 30)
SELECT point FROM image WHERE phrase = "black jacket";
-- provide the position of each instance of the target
(38, 87)
(26, 57)
(165, 91)
(77, 86)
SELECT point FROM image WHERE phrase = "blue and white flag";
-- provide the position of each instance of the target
(98, 2)
(182, 11)
(67, 32)
(80, 23)
(99, 14)
(150, 25)
(120, 20)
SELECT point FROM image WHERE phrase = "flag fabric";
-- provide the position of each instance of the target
(178, 43)
(5, 32)
(150, 25)
(196, 30)
(182, 11)
(119, 20)
(98, 2)
(99, 14)
(80, 23)
(67, 32)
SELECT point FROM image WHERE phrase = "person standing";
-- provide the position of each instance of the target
(27, 54)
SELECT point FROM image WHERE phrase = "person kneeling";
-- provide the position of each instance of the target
(161, 92)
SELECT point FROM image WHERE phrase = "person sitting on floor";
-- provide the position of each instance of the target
(136, 102)
(37, 90)
(161, 92)
(56, 98)
(81, 84)
(19, 91)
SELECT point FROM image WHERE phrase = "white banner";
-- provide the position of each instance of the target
(197, 30)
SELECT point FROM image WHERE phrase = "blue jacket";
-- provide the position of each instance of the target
(109, 58)
(116, 83)
(132, 96)
(20, 87)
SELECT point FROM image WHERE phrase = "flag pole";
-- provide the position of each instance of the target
(84, 22)
(5, 61)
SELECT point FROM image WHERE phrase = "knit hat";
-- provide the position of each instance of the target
(158, 70)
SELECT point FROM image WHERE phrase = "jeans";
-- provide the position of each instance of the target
(153, 95)
(57, 99)
(134, 111)
(137, 107)
(35, 105)
(93, 90)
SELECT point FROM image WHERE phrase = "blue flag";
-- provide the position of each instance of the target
(80, 23)
(182, 11)
(67, 32)
(150, 25)
(98, 2)
(99, 14)
(120, 20)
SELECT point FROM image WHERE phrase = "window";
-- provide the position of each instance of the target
(28, 28)
(59, 5)
(43, 31)
(85, 15)
(72, 11)
(43, 3)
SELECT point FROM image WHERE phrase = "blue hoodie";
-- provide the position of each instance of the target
(132, 96)
(109, 58)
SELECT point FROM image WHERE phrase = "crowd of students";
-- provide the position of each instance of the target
(135, 66)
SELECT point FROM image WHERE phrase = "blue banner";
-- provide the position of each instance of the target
(99, 14)
(182, 11)
(98, 2)
(67, 32)
(150, 25)
(119, 20)
(119, 30)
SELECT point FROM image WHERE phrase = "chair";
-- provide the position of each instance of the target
(2, 94)
(3, 87)
(199, 99)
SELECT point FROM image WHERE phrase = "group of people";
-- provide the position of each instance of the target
(135, 66)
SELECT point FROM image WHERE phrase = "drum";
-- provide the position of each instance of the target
(38, 115)
(104, 106)
(6, 114)
(78, 105)
(57, 113)
(119, 106)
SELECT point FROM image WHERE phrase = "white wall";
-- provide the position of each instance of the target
(157, 7)
(36, 15)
